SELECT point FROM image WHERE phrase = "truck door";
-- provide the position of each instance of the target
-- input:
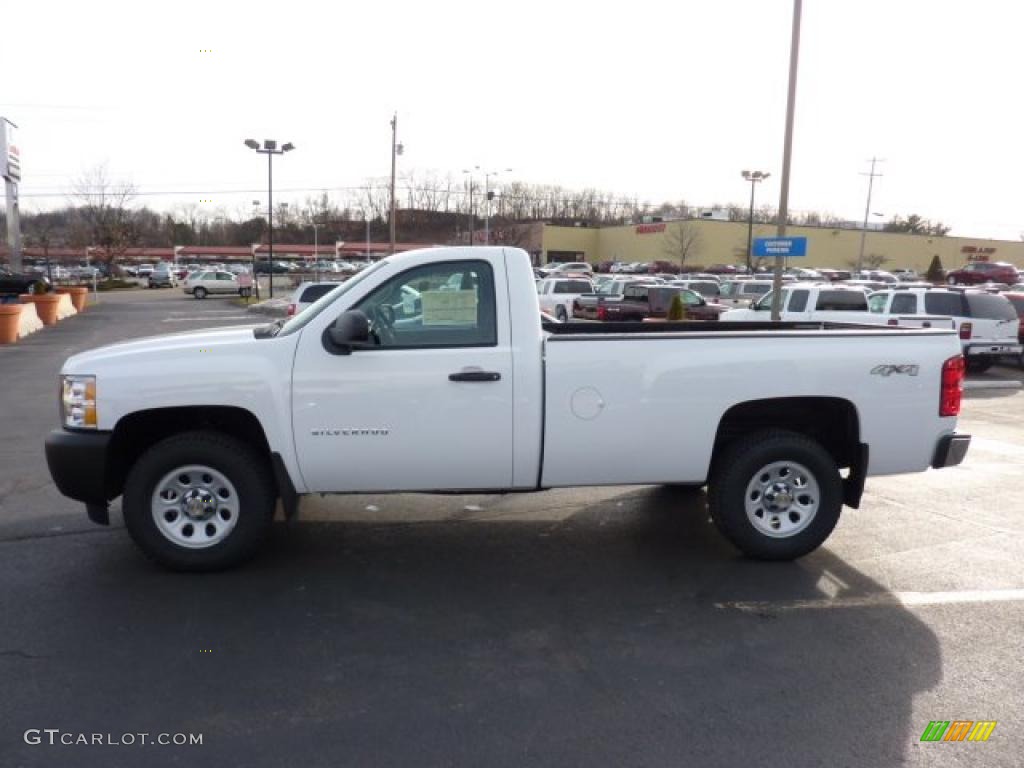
(430, 406)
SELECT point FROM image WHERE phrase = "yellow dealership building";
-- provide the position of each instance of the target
(725, 242)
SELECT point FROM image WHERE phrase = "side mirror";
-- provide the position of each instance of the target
(348, 332)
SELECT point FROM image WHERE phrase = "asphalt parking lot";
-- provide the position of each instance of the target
(607, 626)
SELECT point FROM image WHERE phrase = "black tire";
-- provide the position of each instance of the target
(561, 314)
(247, 470)
(199, 293)
(739, 464)
(979, 364)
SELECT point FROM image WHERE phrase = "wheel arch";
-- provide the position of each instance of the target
(136, 432)
(831, 421)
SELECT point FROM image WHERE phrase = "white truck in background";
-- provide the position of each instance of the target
(462, 388)
(809, 302)
(556, 294)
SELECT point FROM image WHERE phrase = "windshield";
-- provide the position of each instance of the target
(610, 289)
(300, 320)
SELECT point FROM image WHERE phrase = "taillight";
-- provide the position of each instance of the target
(952, 386)
(965, 330)
(602, 312)
(291, 310)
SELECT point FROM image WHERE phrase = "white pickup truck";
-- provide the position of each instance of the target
(463, 389)
(831, 303)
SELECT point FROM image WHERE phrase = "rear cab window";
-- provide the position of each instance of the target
(572, 286)
(990, 306)
(843, 301)
(936, 303)
(904, 304)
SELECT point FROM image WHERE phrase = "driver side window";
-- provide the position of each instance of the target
(450, 304)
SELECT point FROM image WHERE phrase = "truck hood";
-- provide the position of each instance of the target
(159, 347)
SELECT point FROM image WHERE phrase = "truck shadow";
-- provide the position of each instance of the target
(608, 638)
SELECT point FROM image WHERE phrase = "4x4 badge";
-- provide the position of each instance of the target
(889, 370)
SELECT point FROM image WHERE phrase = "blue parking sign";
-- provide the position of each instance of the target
(780, 246)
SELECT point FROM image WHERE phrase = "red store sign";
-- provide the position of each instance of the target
(648, 229)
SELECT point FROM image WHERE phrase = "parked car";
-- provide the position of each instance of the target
(834, 275)
(203, 284)
(906, 275)
(642, 300)
(307, 293)
(808, 301)
(340, 399)
(568, 268)
(709, 289)
(557, 294)
(20, 282)
(983, 272)
(263, 267)
(987, 323)
(163, 276)
(1016, 298)
(741, 293)
(585, 306)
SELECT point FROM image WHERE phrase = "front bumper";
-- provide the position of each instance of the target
(78, 466)
(950, 450)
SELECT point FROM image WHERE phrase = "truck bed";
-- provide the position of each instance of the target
(647, 408)
(631, 329)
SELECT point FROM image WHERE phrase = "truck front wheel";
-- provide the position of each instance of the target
(776, 495)
(199, 501)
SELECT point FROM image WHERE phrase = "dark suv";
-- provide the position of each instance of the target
(13, 282)
(983, 272)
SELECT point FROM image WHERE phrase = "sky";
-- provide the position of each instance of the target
(648, 100)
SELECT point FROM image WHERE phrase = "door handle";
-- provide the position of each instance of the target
(474, 376)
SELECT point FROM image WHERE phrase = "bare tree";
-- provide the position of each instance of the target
(104, 216)
(682, 242)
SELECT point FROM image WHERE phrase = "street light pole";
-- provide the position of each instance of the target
(867, 210)
(488, 196)
(472, 218)
(753, 177)
(787, 154)
(269, 149)
(316, 250)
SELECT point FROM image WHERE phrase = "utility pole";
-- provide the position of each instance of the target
(396, 149)
(787, 153)
(867, 210)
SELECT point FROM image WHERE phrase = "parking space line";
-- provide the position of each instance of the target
(204, 318)
(903, 599)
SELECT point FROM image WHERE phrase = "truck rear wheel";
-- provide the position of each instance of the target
(199, 501)
(776, 495)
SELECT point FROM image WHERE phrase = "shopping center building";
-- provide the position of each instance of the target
(725, 242)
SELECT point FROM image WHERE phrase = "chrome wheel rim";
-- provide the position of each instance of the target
(782, 499)
(195, 506)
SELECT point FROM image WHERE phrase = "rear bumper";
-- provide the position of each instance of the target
(1008, 348)
(78, 466)
(950, 450)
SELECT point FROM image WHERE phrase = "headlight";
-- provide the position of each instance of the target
(78, 401)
